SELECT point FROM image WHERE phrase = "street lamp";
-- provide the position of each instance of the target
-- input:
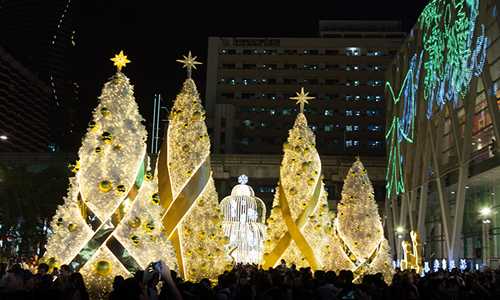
(400, 230)
(485, 213)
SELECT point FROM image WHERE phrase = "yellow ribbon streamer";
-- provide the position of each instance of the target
(294, 232)
(103, 233)
(360, 265)
(176, 209)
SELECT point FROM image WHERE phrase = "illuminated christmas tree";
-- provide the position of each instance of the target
(300, 225)
(192, 218)
(358, 228)
(110, 222)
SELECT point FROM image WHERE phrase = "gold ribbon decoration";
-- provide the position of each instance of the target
(103, 231)
(360, 265)
(294, 227)
(176, 209)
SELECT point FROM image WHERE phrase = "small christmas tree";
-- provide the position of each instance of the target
(192, 218)
(300, 225)
(358, 228)
(110, 222)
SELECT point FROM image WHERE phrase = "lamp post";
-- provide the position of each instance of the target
(485, 214)
(400, 230)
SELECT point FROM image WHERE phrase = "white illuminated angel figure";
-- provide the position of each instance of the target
(243, 224)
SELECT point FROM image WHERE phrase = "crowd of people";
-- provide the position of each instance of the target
(249, 282)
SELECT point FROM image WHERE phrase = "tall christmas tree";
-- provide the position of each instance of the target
(300, 225)
(110, 223)
(192, 218)
(358, 228)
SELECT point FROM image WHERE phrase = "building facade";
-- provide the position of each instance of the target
(24, 108)
(443, 124)
(42, 36)
(250, 80)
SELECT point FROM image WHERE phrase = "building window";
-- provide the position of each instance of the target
(231, 51)
(289, 81)
(271, 81)
(247, 52)
(331, 81)
(348, 128)
(331, 67)
(248, 124)
(374, 128)
(353, 51)
(232, 81)
(352, 143)
(328, 128)
(357, 113)
(375, 83)
(375, 53)
(375, 144)
(228, 66)
(247, 95)
(290, 66)
(331, 52)
(311, 52)
(348, 113)
(328, 112)
(310, 67)
(290, 52)
(372, 112)
(249, 66)
(227, 95)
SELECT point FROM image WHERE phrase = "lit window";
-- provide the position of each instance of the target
(348, 113)
(353, 51)
(328, 128)
(352, 143)
(348, 98)
(355, 128)
(357, 113)
(357, 97)
(372, 112)
(374, 144)
(355, 82)
(232, 81)
(248, 123)
(374, 128)
(314, 128)
(348, 128)
(328, 112)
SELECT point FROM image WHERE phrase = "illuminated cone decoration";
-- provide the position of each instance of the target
(192, 218)
(299, 228)
(109, 224)
(358, 228)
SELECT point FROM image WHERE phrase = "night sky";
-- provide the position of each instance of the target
(154, 36)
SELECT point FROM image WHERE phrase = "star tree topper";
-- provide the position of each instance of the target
(302, 99)
(120, 60)
(189, 62)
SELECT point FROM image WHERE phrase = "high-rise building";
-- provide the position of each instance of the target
(24, 108)
(443, 116)
(42, 36)
(250, 80)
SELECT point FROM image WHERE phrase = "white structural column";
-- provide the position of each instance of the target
(456, 249)
(424, 189)
(443, 199)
